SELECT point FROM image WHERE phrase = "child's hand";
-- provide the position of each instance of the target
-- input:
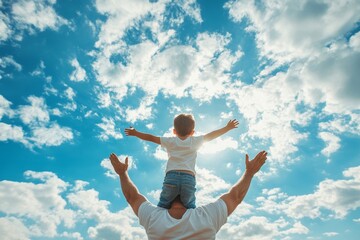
(232, 124)
(130, 131)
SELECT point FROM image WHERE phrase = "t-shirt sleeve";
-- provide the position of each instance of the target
(198, 141)
(165, 142)
(144, 213)
(217, 212)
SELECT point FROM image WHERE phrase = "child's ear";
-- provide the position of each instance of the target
(174, 131)
(192, 133)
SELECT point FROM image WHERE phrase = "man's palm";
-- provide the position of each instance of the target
(254, 165)
(119, 167)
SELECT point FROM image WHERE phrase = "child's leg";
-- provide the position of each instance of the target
(187, 191)
(170, 190)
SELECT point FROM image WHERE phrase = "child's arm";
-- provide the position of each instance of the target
(144, 136)
(217, 133)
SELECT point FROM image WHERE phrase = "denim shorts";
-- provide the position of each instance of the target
(178, 183)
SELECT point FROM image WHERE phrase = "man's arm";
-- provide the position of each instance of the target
(130, 191)
(237, 193)
(144, 136)
(217, 133)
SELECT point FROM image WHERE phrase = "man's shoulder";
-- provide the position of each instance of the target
(214, 213)
(219, 203)
(211, 209)
(147, 208)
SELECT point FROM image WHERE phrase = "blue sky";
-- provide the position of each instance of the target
(74, 74)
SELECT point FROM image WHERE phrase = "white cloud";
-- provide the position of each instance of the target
(5, 109)
(348, 123)
(35, 113)
(79, 74)
(330, 234)
(336, 197)
(37, 117)
(270, 109)
(70, 235)
(162, 65)
(39, 205)
(218, 145)
(285, 32)
(182, 70)
(108, 129)
(56, 112)
(38, 14)
(285, 29)
(322, 69)
(44, 208)
(123, 15)
(104, 100)
(69, 93)
(143, 112)
(354, 42)
(332, 143)
(330, 77)
(209, 186)
(260, 228)
(160, 153)
(9, 61)
(54, 135)
(226, 115)
(123, 224)
(12, 228)
(5, 30)
(10, 132)
(155, 194)
(105, 163)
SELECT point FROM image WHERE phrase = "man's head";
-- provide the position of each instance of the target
(177, 203)
(184, 125)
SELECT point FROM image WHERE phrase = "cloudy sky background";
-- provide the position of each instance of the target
(74, 74)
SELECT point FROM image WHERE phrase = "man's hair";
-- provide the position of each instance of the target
(184, 124)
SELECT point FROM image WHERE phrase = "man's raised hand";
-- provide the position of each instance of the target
(119, 167)
(254, 165)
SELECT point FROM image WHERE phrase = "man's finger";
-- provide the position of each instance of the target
(247, 159)
(259, 155)
(126, 161)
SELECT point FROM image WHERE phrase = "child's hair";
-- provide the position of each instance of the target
(184, 124)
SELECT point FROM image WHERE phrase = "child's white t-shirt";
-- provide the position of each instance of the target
(182, 153)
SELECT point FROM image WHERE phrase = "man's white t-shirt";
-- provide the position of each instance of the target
(181, 153)
(199, 223)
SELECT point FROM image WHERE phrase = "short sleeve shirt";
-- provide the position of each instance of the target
(199, 223)
(181, 153)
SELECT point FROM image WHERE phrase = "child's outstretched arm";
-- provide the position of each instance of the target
(217, 133)
(144, 136)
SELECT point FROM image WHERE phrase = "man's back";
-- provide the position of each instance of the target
(199, 223)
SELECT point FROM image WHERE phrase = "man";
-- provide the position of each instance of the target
(181, 223)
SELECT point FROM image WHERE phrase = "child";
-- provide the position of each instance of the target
(182, 152)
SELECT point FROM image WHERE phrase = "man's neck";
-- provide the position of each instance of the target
(177, 212)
